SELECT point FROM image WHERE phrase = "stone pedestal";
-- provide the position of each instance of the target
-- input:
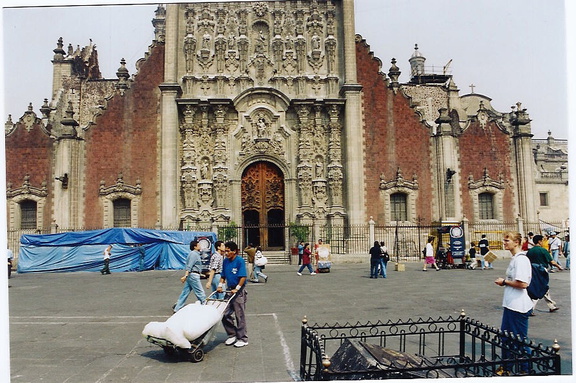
(400, 267)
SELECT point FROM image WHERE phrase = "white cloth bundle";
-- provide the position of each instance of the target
(189, 323)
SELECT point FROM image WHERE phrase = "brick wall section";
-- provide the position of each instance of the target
(30, 152)
(492, 149)
(394, 138)
(125, 140)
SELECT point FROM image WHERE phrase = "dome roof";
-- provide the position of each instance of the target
(416, 53)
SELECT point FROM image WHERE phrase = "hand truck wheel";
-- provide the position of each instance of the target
(197, 355)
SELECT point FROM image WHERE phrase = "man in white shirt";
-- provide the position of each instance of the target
(555, 245)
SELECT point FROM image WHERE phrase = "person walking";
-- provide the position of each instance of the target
(234, 275)
(10, 256)
(429, 258)
(107, 255)
(374, 259)
(384, 258)
(539, 255)
(258, 266)
(215, 269)
(516, 302)
(306, 260)
(300, 252)
(566, 250)
(484, 249)
(472, 255)
(250, 251)
(191, 278)
(555, 248)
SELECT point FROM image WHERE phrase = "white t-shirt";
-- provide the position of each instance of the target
(554, 243)
(519, 269)
(429, 250)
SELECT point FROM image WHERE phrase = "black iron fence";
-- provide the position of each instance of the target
(432, 348)
(404, 241)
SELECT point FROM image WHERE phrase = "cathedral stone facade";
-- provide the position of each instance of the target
(260, 114)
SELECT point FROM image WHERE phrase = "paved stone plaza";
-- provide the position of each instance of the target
(86, 327)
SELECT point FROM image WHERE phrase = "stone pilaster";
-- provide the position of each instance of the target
(169, 168)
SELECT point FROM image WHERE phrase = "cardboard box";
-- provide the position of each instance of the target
(490, 257)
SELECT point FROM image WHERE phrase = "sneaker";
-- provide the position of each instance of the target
(312, 273)
(265, 279)
(240, 343)
(554, 309)
(298, 273)
(230, 341)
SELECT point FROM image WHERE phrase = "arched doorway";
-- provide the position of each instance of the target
(263, 205)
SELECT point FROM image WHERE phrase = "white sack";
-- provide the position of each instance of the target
(155, 329)
(189, 323)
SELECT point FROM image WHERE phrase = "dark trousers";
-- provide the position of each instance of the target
(9, 268)
(235, 310)
(517, 324)
(374, 264)
(106, 268)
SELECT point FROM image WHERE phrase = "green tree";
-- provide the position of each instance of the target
(299, 232)
(228, 232)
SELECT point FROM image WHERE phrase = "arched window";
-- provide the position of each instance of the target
(122, 213)
(486, 205)
(399, 207)
(28, 214)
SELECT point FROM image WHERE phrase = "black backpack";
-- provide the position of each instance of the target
(539, 283)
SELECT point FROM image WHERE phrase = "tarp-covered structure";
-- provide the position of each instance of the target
(83, 250)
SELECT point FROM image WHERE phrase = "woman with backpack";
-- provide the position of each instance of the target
(516, 302)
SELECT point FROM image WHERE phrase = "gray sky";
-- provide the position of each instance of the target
(511, 50)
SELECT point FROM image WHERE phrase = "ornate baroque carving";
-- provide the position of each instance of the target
(398, 182)
(26, 189)
(485, 181)
(120, 187)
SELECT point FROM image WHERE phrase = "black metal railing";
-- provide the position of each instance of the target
(431, 348)
(404, 241)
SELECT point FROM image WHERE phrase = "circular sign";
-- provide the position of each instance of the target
(456, 232)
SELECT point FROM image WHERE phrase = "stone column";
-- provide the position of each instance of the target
(524, 159)
(68, 173)
(169, 184)
(447, 169)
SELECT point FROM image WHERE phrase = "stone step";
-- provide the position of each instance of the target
(277, 257)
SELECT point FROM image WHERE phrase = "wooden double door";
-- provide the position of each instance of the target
(263, 205)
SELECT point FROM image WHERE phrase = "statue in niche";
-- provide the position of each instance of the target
(260, 47)
(315, 42)
(319, 168)
(232, 42)
(205, 170)
(261, 127)
(289, 44)
(206, 41)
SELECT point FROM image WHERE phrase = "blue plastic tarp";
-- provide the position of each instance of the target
(83, 251)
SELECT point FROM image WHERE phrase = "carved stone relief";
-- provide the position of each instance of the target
(266, 44)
